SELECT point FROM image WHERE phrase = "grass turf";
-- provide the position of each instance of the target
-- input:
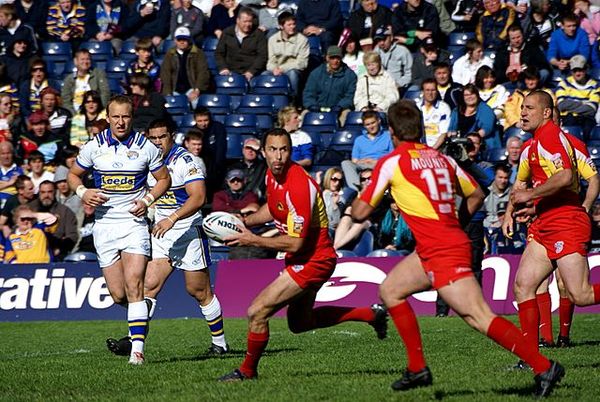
(68, 360)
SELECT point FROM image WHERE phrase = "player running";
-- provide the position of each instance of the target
(558, 237)
(424, 184)
(178, 240)
(294, 201)
(120, 160)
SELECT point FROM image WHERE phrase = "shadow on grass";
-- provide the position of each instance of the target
(232, 354)
(586, 343)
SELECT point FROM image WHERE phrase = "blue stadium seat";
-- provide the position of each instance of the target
(177, 104)
(382, 252)
(165, 45)
(212, 63)
(364, 245)
(494, 155)
(216, 103)
(127, 48)
(256, 104)
(264, 122)
(460, 38)
(320, 122)
(315, 45)
(345, 254)
(116, 69)
(353, 119)
(100, 51)
(234, 84)
(515, 132)
(81, 256)
(187, 122)
(342, 141)
(234, 146)
(56, 49)
(456, 53)
(489, 53)
(56, 84)
(270, 85)
(345, 8)
(115, 87)
(575, 131)
(280, 101)
(412, 95)
(595, 134)
(55, 69)
(241, 124)
(210, 44)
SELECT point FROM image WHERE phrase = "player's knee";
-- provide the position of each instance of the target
(386, 293)
(579, 298)
(256, 313)
(201, 294)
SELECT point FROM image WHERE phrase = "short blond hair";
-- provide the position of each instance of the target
(285, 114)
(372, 57)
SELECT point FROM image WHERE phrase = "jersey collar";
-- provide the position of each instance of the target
(128, 142)
(171, 154)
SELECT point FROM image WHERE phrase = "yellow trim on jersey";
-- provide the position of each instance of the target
(410, 198)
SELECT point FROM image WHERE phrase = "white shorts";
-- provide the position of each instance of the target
(186, 248)
(110, 239)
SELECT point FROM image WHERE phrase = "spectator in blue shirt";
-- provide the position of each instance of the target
(302, 146)
(9, 171)
(567, 42)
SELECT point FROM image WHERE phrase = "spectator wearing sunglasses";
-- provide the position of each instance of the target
(27, 244)
(236, 197)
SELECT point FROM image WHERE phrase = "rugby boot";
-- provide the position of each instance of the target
(379, 324)
(545, 382)
(411, 380)
(545, 344)
(235, 376)
(216, 350)
(563, 342)
(521, 365)
(121, 347)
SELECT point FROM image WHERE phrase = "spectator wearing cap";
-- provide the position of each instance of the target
(40, 138)
(190, 16)
(185, 69)
(578, 96)
(31, 88)
(12, 29)
(237, 196)
(396, 59)
(331, 86)
(428, 56)
(59, 117)
(288, 51)
(492, 30)
(37, 170)
(568, 41)
(365, 20)
(254, 167)
(375, 89)
(465, 67)
(64, 194)
(242, 47)
(66, 21)
(9, 171)
(156, 18)
(109, 21)
(322, 19)
(82, 80)
(414, 21)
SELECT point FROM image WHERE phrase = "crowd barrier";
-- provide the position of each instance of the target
(77, 291)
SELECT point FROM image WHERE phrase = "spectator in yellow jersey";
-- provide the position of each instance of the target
(27, 244)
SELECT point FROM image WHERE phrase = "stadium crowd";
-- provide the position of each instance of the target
(223, 72)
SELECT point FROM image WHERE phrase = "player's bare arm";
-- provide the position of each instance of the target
(285, 243)
(361, 210)
(553, 185)
(260, 217)
(592, 192)
(163, 182)
(197, 197)
(92, 197)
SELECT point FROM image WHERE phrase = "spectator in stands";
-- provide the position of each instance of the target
(110, 20)
(145, 63)
(24, 194)
(474, 153)
(28, 244)
(393, 233)
(185, 69)
(237, 196)
(449, 90)
(189, 16)
(589, 19)
(428, 56)
(491, 92)
(223, 15)
(499, 192)
(267, 17)
(242, 47)
(37, 170)
(7, 86)
(30, 89)
(41, 138)
(543, 22)
(64, 237)
(353, 56)
(288, 51)
(60, 118)
(194, 143)
(33, 13)
(595, 242)
(12, 125)
(12, 28)
(520, 54)
(66, 22)
(512, 109)
(331, 86)
(86, 240)
(375, 90)
(466, 14)
(322, 19)
(492, 30)
(64, 194)
(147, 105)
(395, 58)
(513, 149)
(566, 42)
(333, 188)
(367, 149)
(302, 146)
(9, 172)
(474, 116)
(17, 60)
(436, 114)
(465, 67)
(254, 167)
(213, 150)
(82, 80)
(365, 20)
(91, 110)
(578, 96)
(156, 18)
(414, 21)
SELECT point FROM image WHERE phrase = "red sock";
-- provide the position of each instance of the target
(565, 315)
(330, 315)
(544, 304)
(406, 323)
(505, 334)
(596, 293)
(257, 343)
(529, 316)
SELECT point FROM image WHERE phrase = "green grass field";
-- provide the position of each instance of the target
(68, 360)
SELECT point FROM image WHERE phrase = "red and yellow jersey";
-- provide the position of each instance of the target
(548, 153)
(29, 248)
(297, 206)
(424, 185)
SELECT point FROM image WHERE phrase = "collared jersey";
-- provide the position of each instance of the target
(296, 204)
(184, 168)
(548, 153)
(31, 247)
(6, 175)
(120, 170)
(423, 183)
(436, 119)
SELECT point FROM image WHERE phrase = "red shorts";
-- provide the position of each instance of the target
(444, 270)
(313, 274)
(562, 234)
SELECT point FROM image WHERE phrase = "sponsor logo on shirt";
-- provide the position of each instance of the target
(132, 155)
(118, 183)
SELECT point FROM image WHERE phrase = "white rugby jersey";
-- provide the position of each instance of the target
(436, 120)
(184, 168)
(120, 170)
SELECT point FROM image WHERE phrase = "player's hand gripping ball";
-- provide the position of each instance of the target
(219, 225)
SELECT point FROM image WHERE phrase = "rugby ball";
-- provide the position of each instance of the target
(219, 225)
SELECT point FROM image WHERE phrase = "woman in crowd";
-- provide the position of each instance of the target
(90, 111)
(490, 92)
(302, 146)
(376, 89)
(394, 233)
(589, 19)
(223, 15)
(333, 182)
(465, 67)
(353, 56)
(11, 123)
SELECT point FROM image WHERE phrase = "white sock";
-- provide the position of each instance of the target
(214, 318)
(137, 317)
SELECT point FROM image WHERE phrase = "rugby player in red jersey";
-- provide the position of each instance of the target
(424, 184)
(295, 203)
(558, 237)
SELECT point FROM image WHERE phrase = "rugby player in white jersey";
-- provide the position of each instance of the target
(121, 160)
(178, 240)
